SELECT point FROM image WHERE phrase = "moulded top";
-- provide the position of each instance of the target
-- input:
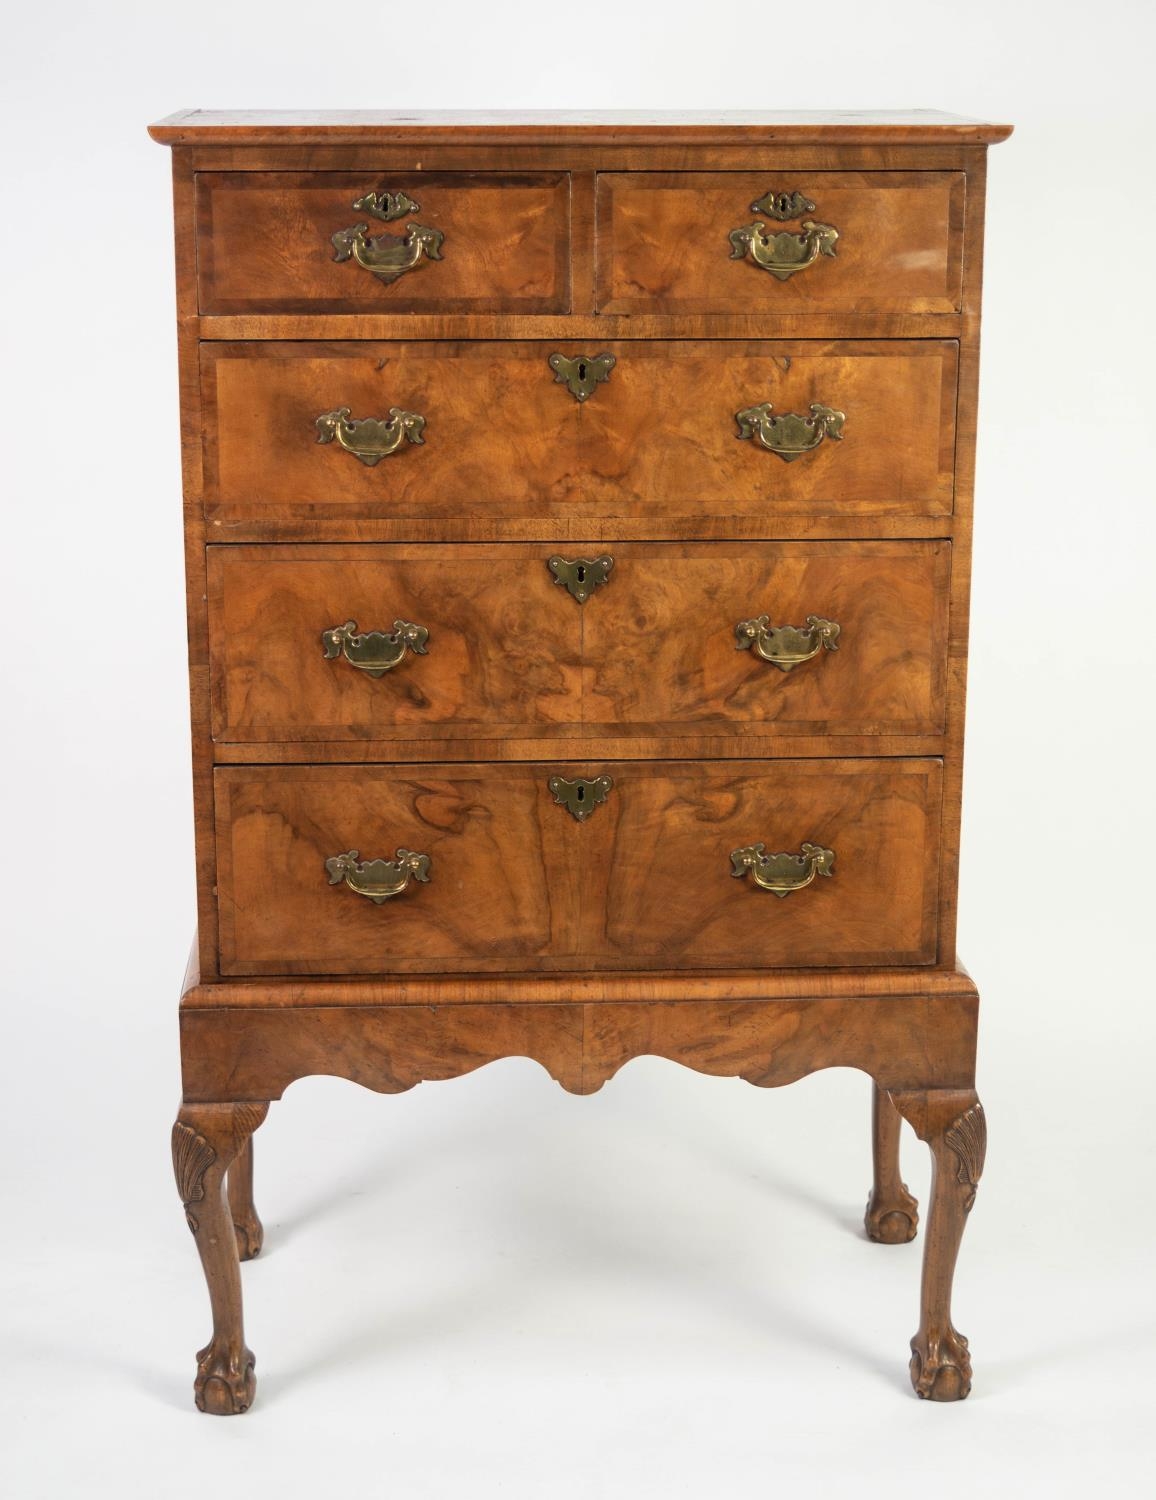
(243, 127)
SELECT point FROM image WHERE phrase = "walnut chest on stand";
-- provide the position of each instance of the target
(578, 525)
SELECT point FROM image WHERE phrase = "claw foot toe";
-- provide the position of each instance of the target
(891, 1221)
(225, 1384)
(941, 1367)
(250, 1236)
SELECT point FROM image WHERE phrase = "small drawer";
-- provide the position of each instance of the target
(336, 242)
(306, 432)
(740, 242)
(449, 643)
(396, 869)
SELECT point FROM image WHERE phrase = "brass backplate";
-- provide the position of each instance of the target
(388, 206)
(580, 576)
(580, 373)
(580, 796)
(780, 206)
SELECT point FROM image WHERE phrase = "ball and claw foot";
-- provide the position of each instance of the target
(225, 1383)
(941, 1367)
(250, 1236)
(891, 1221)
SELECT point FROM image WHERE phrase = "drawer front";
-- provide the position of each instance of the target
(656, 875)
(671, 898)
(503, 653)
(686, 428)
(664, 652)
(483, 243)
(501, 890)
(682, 242)
(504, 649)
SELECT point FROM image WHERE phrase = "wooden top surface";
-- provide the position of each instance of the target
(543, 127)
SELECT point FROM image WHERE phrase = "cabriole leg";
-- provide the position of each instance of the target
(250, 1232)
(207, 1140)
(892, 1213)
(954, 1128)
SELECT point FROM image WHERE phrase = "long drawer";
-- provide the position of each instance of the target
(681, 864)
(312, 432)
(335, 643)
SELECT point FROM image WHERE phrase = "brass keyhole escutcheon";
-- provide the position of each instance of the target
(580, 576)
(580, 373)
(580, 797)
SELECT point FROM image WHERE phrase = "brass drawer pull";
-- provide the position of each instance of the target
(378, 879)
(376, 651)
(580, 576)
(790, 435)
(388, 256)
(580, 797)
(786, 646)
(582, 372)
(782, 252)
(782, 873)
(369, 438)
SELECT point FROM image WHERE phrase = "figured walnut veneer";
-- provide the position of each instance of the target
(395, 881)
(503, 439)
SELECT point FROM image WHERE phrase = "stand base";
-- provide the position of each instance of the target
(912, 1031)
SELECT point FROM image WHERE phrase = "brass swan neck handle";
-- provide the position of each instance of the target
(388, 257)
(370, 438)
(783, 252)
(375, 652)
(788, 435)
(786, 646)
(782, 873)
(378, 879)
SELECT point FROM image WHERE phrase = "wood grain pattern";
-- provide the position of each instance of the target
(892, 1214)
(948, 154)
(580, 328)
(247, 1224)
(896, 1039)
(517, 883)
(659, 645)
(954, 1127)
(264, 243)
(581, 946)
(952, 986)
(658, 439)
(511, 654)
(504, 651)
(206, 1141)
(663, 246)
(503, 891)
(192, 484)
(663, 851)
(499, 129)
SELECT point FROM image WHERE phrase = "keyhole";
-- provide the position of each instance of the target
(581, 369)
(581, 575)
(580, 795)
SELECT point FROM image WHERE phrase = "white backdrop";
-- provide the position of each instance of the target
(489, 1287)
